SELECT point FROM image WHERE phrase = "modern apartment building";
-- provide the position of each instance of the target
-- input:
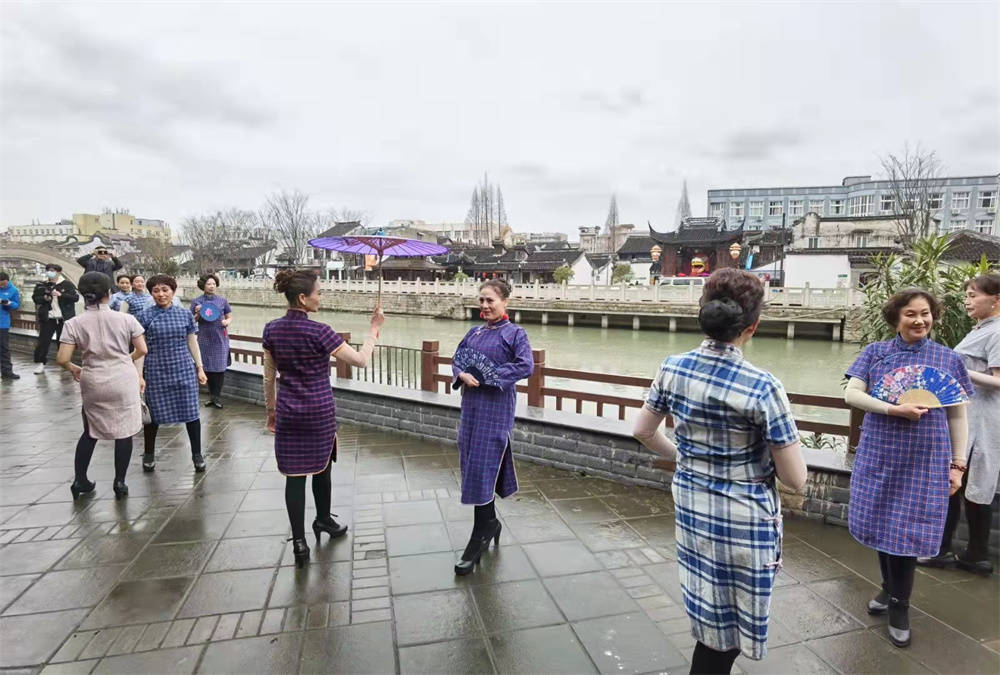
(36, 233)
(958, 203)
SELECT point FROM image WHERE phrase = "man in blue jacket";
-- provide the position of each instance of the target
(10, 300)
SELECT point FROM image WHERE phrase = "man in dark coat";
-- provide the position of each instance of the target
(50, 316)
(101, 260)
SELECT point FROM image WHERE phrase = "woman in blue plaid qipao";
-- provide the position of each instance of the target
(300, 407)
(172, 370)
(734, 430)
(213, 336)
(138, 299)
(910, 458)
(487, 365)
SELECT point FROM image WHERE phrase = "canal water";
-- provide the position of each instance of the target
(804, 366)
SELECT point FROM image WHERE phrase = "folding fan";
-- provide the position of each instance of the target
(477, 364)
(919, 385)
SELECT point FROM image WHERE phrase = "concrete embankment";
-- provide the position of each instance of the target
(837, 324)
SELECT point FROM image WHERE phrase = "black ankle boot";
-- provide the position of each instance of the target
(330, 526)
(121, 490)
(899, 622)
(300, 549)
(478, 544)
(983, 566)
(82, 488)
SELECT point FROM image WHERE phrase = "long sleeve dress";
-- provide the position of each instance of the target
(498, 355)
(981, 351)
(727, 415)
(213, 338)
(899, 481)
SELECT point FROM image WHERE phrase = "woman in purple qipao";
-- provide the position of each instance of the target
(488, 363)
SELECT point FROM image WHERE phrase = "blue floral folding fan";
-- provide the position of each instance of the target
(919, 385)
(477, 364)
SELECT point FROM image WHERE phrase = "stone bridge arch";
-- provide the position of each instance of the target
(41, 254)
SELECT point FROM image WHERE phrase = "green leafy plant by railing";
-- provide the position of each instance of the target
(818, 441)
(922, 267)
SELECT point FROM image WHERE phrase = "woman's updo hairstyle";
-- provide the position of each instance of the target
(293, 283)
(732, 301)
(501, 287)
(203, 279)
(94, 287)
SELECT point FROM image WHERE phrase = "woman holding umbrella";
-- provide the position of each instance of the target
(488, 363)
(213, 314)
(301, 411)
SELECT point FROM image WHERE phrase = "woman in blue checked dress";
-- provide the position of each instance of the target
(213, 335)
(138, 299)
(172, 370)
(487, 365)
(910, 458)
(735, 433)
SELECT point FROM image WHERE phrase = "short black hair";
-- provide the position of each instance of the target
(54, 266)
(161, 280)
(900, 299)
(205, 277)
(123, 276)
(4, 276)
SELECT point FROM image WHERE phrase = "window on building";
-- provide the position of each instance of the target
(775, 208)
(753, 225)
(988, 199)
(984, 226)
(836, 207)
(935, 201)
(735, 209)
(813, 242)
(756, 209)
(861, 206)
(715, 209)
(816, 206)
(957, 225)
(885, 204)
(795, 207)
(960, 200)
(859, 240)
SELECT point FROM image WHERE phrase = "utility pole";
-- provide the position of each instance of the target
(783, 217)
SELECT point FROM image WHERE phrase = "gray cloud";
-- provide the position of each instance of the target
(758, 144)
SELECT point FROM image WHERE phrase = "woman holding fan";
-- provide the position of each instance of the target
(213, 314)
(488, 363)
(910, 457)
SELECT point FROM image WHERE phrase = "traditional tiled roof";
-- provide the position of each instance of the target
(637, 243)
(698, 231)
(341, 229)
(547, 261)
(598, 260)
(969, 246)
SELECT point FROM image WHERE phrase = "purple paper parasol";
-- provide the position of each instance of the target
(379, 245)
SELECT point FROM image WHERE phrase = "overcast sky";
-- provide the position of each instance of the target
(176, 109)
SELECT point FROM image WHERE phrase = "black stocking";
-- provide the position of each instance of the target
(708, 661)
(295, 502)
(322, 488)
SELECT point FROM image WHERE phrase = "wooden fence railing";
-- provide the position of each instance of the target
(420, 369)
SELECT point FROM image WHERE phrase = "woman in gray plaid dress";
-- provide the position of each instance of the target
(172, 370)
(735, 432)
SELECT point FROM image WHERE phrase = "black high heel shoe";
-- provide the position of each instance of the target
(478, 544)
(148, 463)
(121, 490)
(199, 463)
(330, 526)
(300, 549)
(82, 488)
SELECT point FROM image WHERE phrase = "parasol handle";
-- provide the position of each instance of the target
(378, 297)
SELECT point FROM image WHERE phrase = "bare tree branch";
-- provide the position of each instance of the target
(917, 188)
(287, 216)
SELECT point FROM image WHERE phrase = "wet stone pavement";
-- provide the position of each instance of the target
(192, 573)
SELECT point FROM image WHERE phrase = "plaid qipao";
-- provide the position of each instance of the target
(727, 413)
(213, 340)
(305, 414)
(169, 370)
(899, 482)
(488, 410)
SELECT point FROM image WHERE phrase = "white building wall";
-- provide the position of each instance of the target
(582, 271)
(819, 271)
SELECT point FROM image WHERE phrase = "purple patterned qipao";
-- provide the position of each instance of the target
(305, 417)
(501, 353)
(899, 482)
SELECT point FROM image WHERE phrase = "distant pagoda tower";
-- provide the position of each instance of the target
(683, 207)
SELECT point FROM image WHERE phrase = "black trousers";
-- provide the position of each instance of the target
(46, 331)
(6, 367)
(85, 451)
(215, 381)
(979, 518)
(295, 499)
(897, 575)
